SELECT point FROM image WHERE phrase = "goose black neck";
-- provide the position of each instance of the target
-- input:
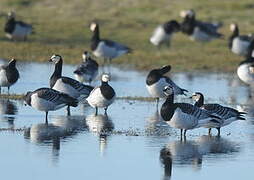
(200, 101)
(188, 25)
(167, 108)
(103, 83)
(95, 38)
(57, 73)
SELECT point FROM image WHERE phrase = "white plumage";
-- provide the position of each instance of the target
(159, 35)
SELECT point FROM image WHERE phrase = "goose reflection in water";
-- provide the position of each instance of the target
(192, 152)
(8, 109)
(52, 133)
(102, 126)
(166, 161)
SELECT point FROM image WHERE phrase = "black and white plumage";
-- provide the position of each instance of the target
(17, 30)
(156, 81)
(185, 116)
(163, 33)
(239, 44)
(227, 114)
(104, 48)
(102, 96)
(245, 70)
(198, 30)
(9, 74)
(46, 99)
(88, 70)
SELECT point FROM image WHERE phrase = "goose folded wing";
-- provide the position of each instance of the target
(50, 95)
(77, 85)
(116, 45)
(21, 23)
(207, 29)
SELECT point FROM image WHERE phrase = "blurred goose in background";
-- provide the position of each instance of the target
(185, 116)
(227, 114)
(163, 33)
(156, 81)
(104, 48)
(46, 99)
(239, 44)
(198, 30)
(103, 95)
(166, 161)
(8, 110)
(67, 85)
(16, 30)
(8, 75)
(88, 70)
(245, 70)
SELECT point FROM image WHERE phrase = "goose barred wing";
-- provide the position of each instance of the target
(83, 89)
(56, 96)
(207, 29)
(21, 23)
(117, 46)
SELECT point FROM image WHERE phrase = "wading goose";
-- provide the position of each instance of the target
(67, 85)
(8, 75)
(163, 33)
(245, 70)
(102, 96)
(16, 30)
(88, 70)
(46, 99)
(104, 48)
(227, 114)
(156, 82)
(184, 116)
(198, 30)
(239, 44)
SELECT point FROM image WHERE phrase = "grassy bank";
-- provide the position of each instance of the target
(62, 27)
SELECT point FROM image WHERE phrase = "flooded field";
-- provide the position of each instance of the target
(132, 142)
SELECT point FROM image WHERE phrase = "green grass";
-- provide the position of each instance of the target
(62, 27)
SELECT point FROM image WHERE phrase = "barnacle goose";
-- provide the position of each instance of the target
(46, 99)
(245, 70)
(8, 75)
(227, 114)
(163, 33)
(88, 70)
(198, 30)
(156, 81)
(67, 85)
(104, 48)
(16, 30)
(102, 96)
(239, 44)
(184, 116)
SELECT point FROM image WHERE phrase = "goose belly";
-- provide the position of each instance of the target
(3, 79)
(44, 105)
(240, 47)
(156, 89)
(159, 37)
(244, 74)
(181, 120)
(20, 32)
(199, 35)
(66, 88)
(96, 99)
(104, 51)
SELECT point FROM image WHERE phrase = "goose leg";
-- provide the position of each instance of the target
(106, 108)
(157, 102)
(96, 111)
(8, 90)
(184, 134)
(68, 111)
(0, 90)
(46, 120)
(209, 131)
(181, 133)
(218, 131)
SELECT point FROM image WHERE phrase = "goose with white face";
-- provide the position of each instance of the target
(93, 25)
(168, 90)
(55, 58)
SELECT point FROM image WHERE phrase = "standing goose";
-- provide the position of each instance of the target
(197, 30)
(184, 116)
(104, 48)
(67, 85)
(88, 70)
(8, 75)
(227, 114)
(16, 30)
(46, 99)
(163, 33)
(239, 44)
(156, 81)
(245, 70)
(102, 96)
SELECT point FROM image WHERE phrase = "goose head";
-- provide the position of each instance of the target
(93, 26)
(12, 63)
(86, 55)
(168, 90)
(105, 78)
(172, 25)
(55, 58)
(187, 13)
(233, 27)
(196, 96)
(11, 15)
(27, 98)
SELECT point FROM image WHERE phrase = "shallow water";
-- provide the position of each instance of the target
(132, 142)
